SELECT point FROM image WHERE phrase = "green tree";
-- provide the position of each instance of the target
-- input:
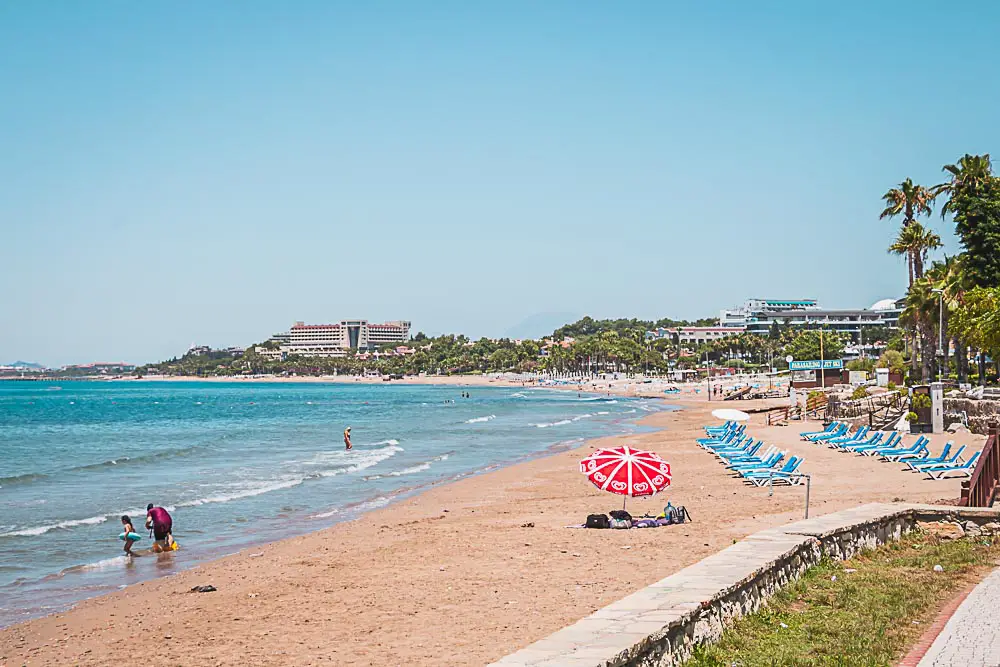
(911, 201)
(974, 202)
(914, 242)
(806, 345)
(977, 321)
(892, 360)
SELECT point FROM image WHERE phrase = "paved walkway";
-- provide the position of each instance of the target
(971, 637)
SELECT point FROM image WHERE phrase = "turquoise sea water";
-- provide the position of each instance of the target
(239, 463)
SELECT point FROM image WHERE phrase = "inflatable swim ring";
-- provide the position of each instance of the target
(131, 536)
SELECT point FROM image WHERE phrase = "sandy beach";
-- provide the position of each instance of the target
(461, 574)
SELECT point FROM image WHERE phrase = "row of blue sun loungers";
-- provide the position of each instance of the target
(890, 447)
(749, 459)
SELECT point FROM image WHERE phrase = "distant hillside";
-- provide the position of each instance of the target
(27, 364)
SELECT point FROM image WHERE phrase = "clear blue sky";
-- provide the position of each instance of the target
(209, 172)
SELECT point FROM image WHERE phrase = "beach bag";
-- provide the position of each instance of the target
(621, 524)
(678, 514)
(598, 521)
(621, 515)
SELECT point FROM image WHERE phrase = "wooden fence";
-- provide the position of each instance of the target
(981, 489)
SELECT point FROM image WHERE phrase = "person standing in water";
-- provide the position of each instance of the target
(158, 519)
(129, 530)
(347, 437)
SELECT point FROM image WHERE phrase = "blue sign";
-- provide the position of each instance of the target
(816, 364)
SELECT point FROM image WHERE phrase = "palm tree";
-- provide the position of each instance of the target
(968, 176)
(915, 241)
(910, 201)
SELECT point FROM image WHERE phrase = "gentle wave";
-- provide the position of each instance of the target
(477, 420)
(26, 478)
(365, 460)
(420, 467)
(410, 471)
(579, 417)
(106, 564)
(41, 530)
(561, 422)
(244, 493)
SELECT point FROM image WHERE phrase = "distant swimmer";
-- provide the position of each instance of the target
(158, 520)
(347, 437)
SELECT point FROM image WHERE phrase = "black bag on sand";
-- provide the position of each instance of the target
(598, 521)
(621, 515)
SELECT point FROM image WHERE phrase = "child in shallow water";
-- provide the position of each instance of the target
(127, 525)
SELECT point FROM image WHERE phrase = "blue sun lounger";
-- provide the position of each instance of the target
(715, 430)
(872, 441)
(749, 452)
(894, 441)
(901, 449)
(790, 466)
(964, 470)
(728, 436)
(829, 427)
(771, 461)
(741, 441)
(920, 464)
(750, 456)
(919, 450)
(836, 433)
(941, 458)
(787, 475)
(857, 436)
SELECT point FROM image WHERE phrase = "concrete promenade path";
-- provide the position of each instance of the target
(971, 637)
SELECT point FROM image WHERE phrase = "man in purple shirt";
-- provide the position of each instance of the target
(159, 520)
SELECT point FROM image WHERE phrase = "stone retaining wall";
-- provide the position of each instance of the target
(660, 625)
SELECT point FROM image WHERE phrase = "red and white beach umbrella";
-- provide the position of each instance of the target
(627, 471)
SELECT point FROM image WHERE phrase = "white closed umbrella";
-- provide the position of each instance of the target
(727, 414)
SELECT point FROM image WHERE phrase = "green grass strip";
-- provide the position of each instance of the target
(869, 616)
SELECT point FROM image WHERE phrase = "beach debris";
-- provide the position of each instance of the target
(252, 595)
(849, 570)
(938, 568)
(833, 578)
(530, 524)
(204, 589)
(627, 546)
(783, 625)
(257, 555)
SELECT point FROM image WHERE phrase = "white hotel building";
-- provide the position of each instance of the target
(334, 340)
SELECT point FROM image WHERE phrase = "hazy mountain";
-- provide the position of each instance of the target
(26, 364)
(540, 325)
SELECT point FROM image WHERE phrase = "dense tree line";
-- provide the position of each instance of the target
(951, 313)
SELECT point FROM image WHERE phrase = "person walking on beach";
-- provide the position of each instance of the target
(347, 438)
(158, 520)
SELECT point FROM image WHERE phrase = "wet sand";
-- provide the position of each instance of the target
(461, 574)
